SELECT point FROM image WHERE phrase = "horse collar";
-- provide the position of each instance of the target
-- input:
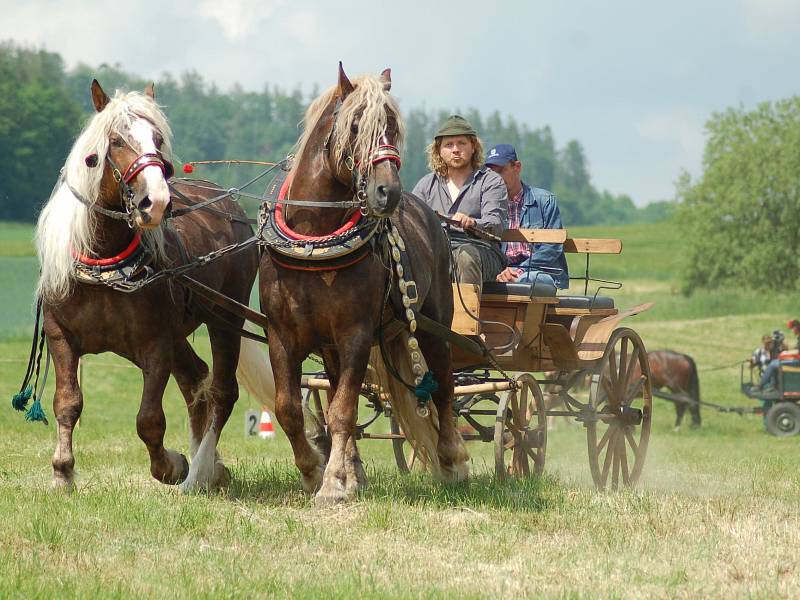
(114, 260)
(117, 271)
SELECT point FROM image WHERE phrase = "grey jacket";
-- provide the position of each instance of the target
(484, 197)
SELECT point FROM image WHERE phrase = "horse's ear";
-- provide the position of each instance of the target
(99, 98)
(386, 78)
(150, 90)
(345, 87)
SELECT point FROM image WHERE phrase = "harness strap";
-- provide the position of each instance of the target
(192, 206)
(114, 214)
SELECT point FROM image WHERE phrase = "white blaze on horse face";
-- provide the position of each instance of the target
(155, 187)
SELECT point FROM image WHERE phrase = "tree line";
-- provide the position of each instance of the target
(43, 106)
(741, 216)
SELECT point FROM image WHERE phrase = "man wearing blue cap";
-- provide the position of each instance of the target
(528, 208)
(470, 195)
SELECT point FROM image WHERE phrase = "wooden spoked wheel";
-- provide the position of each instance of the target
(404, 455)
(621, 406)
(520, 431)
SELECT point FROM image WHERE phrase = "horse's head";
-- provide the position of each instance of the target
(364, 135)
(135, 170)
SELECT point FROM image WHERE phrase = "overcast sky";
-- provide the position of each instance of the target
(634, 81)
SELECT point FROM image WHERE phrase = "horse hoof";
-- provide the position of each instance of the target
(62, 484)
(455, 473)
(313, 482)
(222, 476)
(180, 468)
(327, 499)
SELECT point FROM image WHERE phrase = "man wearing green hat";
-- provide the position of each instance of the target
(462, 188)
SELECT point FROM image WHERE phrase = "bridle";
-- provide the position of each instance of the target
(123, 179)
(383, 152)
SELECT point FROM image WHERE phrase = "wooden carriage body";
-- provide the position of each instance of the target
(542, 346)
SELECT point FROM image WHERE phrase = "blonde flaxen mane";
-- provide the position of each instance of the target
(65, 224)
(371, 103)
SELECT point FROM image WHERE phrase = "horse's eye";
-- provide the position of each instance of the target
(159, 141)
(354, 128)
(116, 142)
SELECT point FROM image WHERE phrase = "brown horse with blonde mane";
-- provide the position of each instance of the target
(349, 152)
(103, 227)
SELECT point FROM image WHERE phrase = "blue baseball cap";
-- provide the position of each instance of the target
(501, 155)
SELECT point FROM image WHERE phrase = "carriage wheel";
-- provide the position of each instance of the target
(783, 419)
(620, 400)
(520, 431)
(405, 457)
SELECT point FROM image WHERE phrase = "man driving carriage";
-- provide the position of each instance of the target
(470, 196)
(528, 208)
(769, 377)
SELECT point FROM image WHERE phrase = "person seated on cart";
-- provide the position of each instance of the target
(762, 355)
(769, 377)
(470, 195)
(528, 208)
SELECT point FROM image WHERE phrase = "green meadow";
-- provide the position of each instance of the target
(715, 514)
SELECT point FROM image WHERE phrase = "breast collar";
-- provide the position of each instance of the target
(127, 267)
(342, 248)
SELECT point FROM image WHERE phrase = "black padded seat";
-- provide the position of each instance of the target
(539, 289)
(585, 302)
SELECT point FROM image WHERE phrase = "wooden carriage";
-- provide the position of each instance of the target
(539, 339)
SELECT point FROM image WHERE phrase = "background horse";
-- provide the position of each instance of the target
(109, 203)
(678, 373)
(350, 145)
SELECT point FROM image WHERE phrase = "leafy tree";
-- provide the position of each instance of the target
(742, 216)
(38, 120)
(42, 107)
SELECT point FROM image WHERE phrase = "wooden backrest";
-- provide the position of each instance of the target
(535, 236)
(592, 246)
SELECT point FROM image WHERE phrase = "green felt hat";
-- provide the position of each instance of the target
(455, 125)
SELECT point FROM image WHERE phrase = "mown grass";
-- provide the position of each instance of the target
(715, 514)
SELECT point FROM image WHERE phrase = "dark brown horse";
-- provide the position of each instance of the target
(348, 150)
(102, 221)
(678, 373)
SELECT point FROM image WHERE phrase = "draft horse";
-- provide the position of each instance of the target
(349, 149)
(678, 373)
(105, 221)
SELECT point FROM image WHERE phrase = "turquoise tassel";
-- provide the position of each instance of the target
(35, 412)
(426, 387)
(20, 400)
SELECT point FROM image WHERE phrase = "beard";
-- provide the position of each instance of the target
(456, 162)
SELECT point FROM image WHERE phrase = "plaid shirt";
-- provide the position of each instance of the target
(516, 252)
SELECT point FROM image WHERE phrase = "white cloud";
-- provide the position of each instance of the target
(239, 18)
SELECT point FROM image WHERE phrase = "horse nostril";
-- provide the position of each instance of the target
(145, 203)
(383, 191)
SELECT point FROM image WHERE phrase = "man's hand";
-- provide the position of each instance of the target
(464, 220)
(509, 275)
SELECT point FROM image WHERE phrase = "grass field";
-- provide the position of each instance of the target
(716, 514)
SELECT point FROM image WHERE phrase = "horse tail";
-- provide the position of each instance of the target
(694, 379)
(421, 433)
(254, 372)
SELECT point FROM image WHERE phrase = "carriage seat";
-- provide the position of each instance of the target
(529, 290)
(585, 302)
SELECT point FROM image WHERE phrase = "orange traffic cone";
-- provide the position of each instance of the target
(266, 429)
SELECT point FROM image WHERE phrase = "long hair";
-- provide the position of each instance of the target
(368, 101)
(65, 224)
(436, 164)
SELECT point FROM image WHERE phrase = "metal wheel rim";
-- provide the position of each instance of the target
(520, 435)
(609, 457)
